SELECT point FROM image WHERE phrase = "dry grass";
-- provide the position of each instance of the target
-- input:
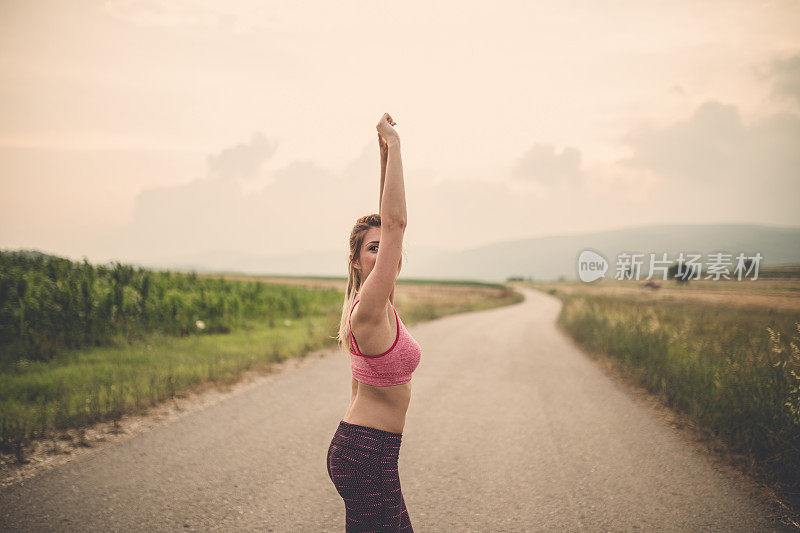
(720, 354)
(778, 294)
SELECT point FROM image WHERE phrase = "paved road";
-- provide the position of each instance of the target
(510, 428)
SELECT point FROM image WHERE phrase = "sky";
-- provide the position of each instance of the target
(154, 130)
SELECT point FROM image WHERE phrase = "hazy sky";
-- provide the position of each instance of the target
(147, 130)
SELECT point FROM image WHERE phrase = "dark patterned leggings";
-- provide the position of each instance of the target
(362, 463)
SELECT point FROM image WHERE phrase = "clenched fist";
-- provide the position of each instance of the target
(386, 131)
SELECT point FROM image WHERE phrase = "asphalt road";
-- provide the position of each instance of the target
(510, 428)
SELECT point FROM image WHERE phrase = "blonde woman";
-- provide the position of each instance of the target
(363, 454)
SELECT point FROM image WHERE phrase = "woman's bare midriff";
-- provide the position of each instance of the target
(379, 407)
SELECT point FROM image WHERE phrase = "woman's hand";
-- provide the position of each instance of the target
(386, 131)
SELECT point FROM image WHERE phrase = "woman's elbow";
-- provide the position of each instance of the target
(394, 221)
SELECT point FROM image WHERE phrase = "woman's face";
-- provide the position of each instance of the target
(369, 253)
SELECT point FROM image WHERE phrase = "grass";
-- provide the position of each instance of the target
(80, 387)
(89, 385)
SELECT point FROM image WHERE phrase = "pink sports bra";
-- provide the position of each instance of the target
(392, 367)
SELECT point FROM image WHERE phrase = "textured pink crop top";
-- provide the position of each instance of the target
(392, 367)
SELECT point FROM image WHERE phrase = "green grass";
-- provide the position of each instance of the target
(92, 384)
(77, 388)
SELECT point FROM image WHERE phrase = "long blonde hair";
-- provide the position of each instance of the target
(354, 280)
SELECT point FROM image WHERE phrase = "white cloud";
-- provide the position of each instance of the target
(785, 73)
(716, 146)
(542, 164)
(300, 207)
(242, 161)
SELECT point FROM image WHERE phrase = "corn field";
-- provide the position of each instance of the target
(48, 304)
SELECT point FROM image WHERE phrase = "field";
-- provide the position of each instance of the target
(724, 353)
(766, 293)
(83, 367)
(416, 300)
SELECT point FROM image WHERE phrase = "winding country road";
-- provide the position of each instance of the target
(510, 428)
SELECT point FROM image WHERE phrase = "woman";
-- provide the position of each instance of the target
(364, 451)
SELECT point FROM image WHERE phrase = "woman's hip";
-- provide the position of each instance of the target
(367, 440)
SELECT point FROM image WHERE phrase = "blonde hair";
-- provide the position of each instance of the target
(354, 281)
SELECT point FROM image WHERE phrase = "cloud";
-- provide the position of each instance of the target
(304, 206)
(786, 77)
(300, 206)
(542, 164)
(243, 160)
(714, 146)
(630, 184)
(365, 167)
(547, 176)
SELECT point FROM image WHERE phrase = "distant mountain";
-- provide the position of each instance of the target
(540, 258)
(551, 257)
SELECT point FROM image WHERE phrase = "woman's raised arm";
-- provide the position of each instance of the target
(378, 288)
(384, 155)
(392, 206)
